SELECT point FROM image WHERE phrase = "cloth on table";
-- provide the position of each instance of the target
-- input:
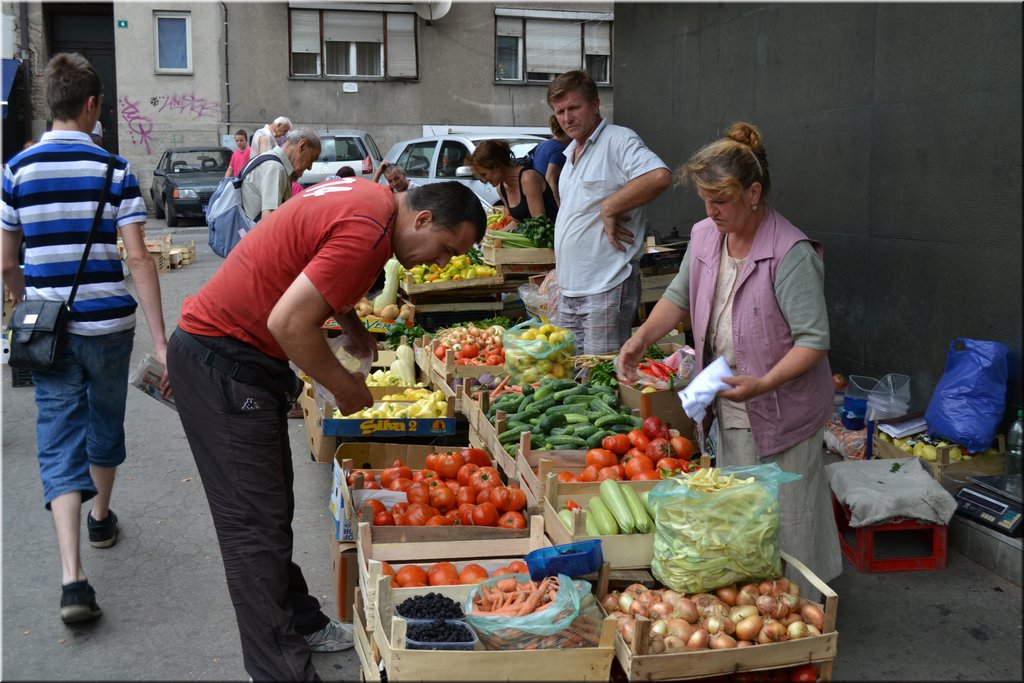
(701, 391)
(851, 444)
(877, 491)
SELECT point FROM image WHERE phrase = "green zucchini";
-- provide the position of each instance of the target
(641, 519)
(590, 525)
(612, 496)
(604, 522)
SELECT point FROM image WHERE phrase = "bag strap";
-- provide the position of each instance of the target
(254, 162)
(92, 231)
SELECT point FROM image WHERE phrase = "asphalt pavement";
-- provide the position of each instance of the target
(167, 614)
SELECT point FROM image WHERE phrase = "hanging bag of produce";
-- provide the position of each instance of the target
(535, 351)
(513, 612)
(717, 526)
(969, 400)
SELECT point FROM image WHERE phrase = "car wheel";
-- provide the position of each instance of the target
(172, 216)
(157, 209)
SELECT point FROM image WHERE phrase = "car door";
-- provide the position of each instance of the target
(159, 179)
(417, 160)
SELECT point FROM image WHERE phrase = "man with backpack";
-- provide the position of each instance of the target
(266, 186)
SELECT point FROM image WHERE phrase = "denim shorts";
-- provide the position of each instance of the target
(81, 405)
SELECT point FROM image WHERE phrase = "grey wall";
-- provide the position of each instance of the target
(894, 137)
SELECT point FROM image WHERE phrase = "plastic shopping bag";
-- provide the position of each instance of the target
(970, 398)
(706, 538)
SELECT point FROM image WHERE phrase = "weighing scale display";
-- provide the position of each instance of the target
(995, 513)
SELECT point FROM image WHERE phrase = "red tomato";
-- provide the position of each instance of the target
(453, 484)
(399, 508)
(806, 673)
(384, 519)
(512, 520)
(419, 514)
(465, 494)
(441, 351)
(466, 513)
(653, 428)
(473, 573)
(372, 485)
(448, 465)
(638, 464)
(647, 475)
(638, 439)
(516, 498)
(839, 381)
(483, 495)
(601, 458)
(392, 473)
(589, 473)
(477, 456)
(617, 443)
(437, 520)
(466, 471)
(659, 448)
(453, 517)
(424, 475)
(485, 514)
(366, 474)
(400, 484)
(485, 478)
(469, 351)
(442, 498)
(375, 507)
(495, 359)
(565, 477)
(431, 461)
(418, 492)
(682, 447)
(499, 497)
(609, 473)
(670, 464)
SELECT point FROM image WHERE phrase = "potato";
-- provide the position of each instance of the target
(389, 312)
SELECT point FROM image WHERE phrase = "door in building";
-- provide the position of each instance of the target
(88, 29)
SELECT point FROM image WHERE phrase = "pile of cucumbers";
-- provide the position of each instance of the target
(561, 414)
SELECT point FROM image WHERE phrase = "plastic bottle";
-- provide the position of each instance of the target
(1014, 440)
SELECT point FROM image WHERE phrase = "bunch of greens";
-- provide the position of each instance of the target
(539, 230)
(475, 257)
(655, 352)
(397, 330)
(603, 375)
(500, 321)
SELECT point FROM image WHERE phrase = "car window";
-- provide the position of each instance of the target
(417, 158)
(165, 162)
(372, 144)
(199, 160)
(349, 149)
(453, 154)
(327, 149)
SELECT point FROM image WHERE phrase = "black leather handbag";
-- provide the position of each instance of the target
(39, 329)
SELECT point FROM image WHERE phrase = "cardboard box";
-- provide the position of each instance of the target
(321, 447)
(664, 404)
(387, 427)
(345, 575)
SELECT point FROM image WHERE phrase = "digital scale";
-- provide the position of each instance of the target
(996, 502)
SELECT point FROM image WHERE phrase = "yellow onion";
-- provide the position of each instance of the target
(813, 630)
(685, 609)
(698, 640)
(740, 612)
(659, 628)
(626, 601)
(659, 610)
(772, 632)
(674, 643)
(790, 618)
(792, 601)
(636, 589)
(670, 597)
(727, 594)
(770, 606)
(812, 614)
(748, 594)
(656, 646)
(638, 608)
(749, 627)
(797, 630)
(745, 643)
(610, 602)
(722, 641)
(717, 624)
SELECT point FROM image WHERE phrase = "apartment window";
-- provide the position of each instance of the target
(173, 39)
(352, 44)
(535, 46)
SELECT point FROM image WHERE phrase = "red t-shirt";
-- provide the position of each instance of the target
(338, 234)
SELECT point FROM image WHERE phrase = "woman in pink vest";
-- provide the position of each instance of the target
(753, 286)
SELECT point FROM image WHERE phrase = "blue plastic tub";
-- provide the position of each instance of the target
(571, 559)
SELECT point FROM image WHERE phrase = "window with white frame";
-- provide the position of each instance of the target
(536, 46)
(352, 44)
(172, 36)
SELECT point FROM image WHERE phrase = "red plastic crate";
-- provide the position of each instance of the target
(861, 553)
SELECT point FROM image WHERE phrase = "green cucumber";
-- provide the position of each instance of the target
(549, 422)
(641, 519)
(577, 418)
(512, 435)
(542, 405)
(584, 431)
(527, 389)
(567, 442)
(565, 393)
(606, 421)
(604, 522)
(611, 495)
(562, 384)
(561, 409)
(578, 399)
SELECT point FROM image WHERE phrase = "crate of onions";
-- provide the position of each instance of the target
(665, 635)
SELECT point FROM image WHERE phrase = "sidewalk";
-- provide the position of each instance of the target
(168, 616)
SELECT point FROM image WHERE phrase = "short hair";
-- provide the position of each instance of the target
(346, 172)
(308, 134)
(491, 154)
(730, 164)
(572, 80)
(556, 129)
(70, 81)
(451, 203)
(241, 131)
(392, 168)
(283, 121)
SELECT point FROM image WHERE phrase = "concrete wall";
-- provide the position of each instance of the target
(157, 111)
(894, 137)
(455, 86)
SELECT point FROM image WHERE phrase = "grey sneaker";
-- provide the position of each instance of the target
(333, 637)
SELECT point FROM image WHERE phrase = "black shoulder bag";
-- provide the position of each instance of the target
(39, 328)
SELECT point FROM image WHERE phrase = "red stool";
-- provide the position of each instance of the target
(861, 553)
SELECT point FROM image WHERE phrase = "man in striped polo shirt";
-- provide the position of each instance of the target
(50, 196)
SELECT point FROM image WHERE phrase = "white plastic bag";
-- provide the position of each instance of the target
(349, 358)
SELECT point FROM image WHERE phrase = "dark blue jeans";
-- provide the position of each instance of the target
(238, 434)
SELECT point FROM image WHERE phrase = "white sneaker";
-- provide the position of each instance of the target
(333, 637)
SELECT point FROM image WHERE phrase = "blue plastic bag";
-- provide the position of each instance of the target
(970, 398)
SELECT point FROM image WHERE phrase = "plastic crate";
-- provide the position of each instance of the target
(571, 559)
(863, 551)
(412, 644)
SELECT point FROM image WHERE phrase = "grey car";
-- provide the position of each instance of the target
(353, 148)
(184, 179)
(443, 157)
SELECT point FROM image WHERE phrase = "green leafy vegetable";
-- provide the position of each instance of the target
(475, 257)
(654, 352)
(397, 330)
(603, 374)
(540, 230)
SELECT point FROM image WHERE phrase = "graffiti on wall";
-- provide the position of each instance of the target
(140, 123)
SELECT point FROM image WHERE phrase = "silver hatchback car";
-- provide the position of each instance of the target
(353, 148)
(443, 157)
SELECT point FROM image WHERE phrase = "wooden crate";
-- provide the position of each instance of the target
(482, 434)
(182, 255)
(366, 649)
(948, 473)
(411, 288)
(458, 552)
(446, 370)
(584, 663)
(531, 466)
(703, 663)
(496, 255)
